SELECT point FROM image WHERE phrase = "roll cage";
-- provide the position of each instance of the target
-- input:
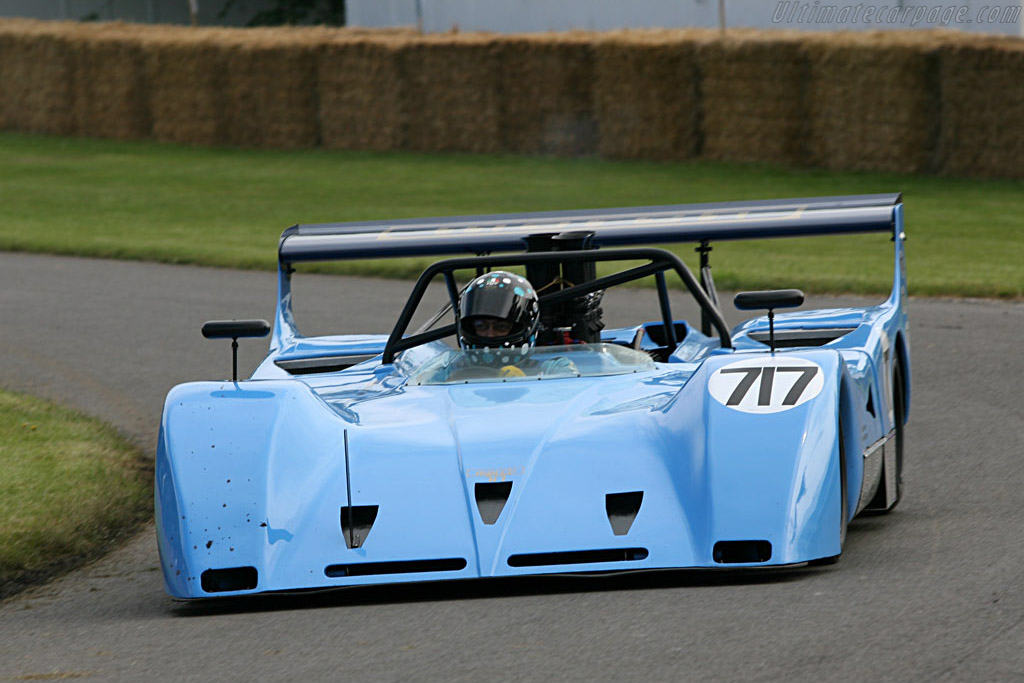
(659, 261)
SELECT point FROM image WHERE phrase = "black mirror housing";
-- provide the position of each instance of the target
(235, 329)
(771, 298)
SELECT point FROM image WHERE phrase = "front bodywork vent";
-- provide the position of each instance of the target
(232, 579)
(622, 509)
(311, 366)
(355, 526)
(789, 339)
(491, 499)
(742, 552)
(453, 564)
(578, 557)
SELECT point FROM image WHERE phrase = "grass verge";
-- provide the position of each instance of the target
(227, 207)
(71, 488)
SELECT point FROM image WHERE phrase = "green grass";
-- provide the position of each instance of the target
(227, 207)
(70, 487)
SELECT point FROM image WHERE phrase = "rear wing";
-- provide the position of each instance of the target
(643, 225)
(620, 227)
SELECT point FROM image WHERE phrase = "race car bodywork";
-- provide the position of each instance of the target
(350, 459)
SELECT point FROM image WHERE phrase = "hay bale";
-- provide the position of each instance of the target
(646, 98)
(111, 98)
(547, 95)
(872, 102)
(752, 98)
(248, 87)
(185, 73)
(9, 102)
(360, 95)
(982, 131)
(36, 78)
(269, 92)
(450, 94)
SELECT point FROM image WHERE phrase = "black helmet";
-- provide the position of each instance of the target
(499, 296)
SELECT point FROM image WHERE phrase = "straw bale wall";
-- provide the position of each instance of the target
(753, 99)
(360, 95)
(186, 89)
(36, 79)
(873, 103)
(546, 86)
(647, 99)
(269, 95)
(110, 98)
(449, 95)
(921, 101)
(982, 123)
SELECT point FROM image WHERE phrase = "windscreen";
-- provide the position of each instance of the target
(463, 366)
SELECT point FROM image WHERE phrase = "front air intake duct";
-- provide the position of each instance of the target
(622, 509)
(231, 579)
(742, 552)
(491, 498)
(356, 522)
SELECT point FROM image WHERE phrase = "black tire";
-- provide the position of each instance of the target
(843, 521)
(899, 412)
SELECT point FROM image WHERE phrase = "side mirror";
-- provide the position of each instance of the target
(770, 299)
(233, 329)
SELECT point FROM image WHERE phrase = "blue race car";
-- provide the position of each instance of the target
(513, 433)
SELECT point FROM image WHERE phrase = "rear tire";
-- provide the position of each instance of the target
(899, 411)
(844, 510)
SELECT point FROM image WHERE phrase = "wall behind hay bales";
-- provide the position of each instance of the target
(932, 102)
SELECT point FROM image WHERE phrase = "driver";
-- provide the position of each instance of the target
(499, 311)
(499, 314)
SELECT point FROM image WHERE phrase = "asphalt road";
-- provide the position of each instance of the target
(932, 592)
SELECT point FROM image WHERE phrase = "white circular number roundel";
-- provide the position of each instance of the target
(766, 385)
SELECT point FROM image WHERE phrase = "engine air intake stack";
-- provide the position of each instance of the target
(578, 320)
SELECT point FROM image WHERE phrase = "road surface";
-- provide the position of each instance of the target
(932, 592)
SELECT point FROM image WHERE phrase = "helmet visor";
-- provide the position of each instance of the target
(492, 302)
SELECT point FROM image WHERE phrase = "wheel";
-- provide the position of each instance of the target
(899, 412)
(843, 521)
